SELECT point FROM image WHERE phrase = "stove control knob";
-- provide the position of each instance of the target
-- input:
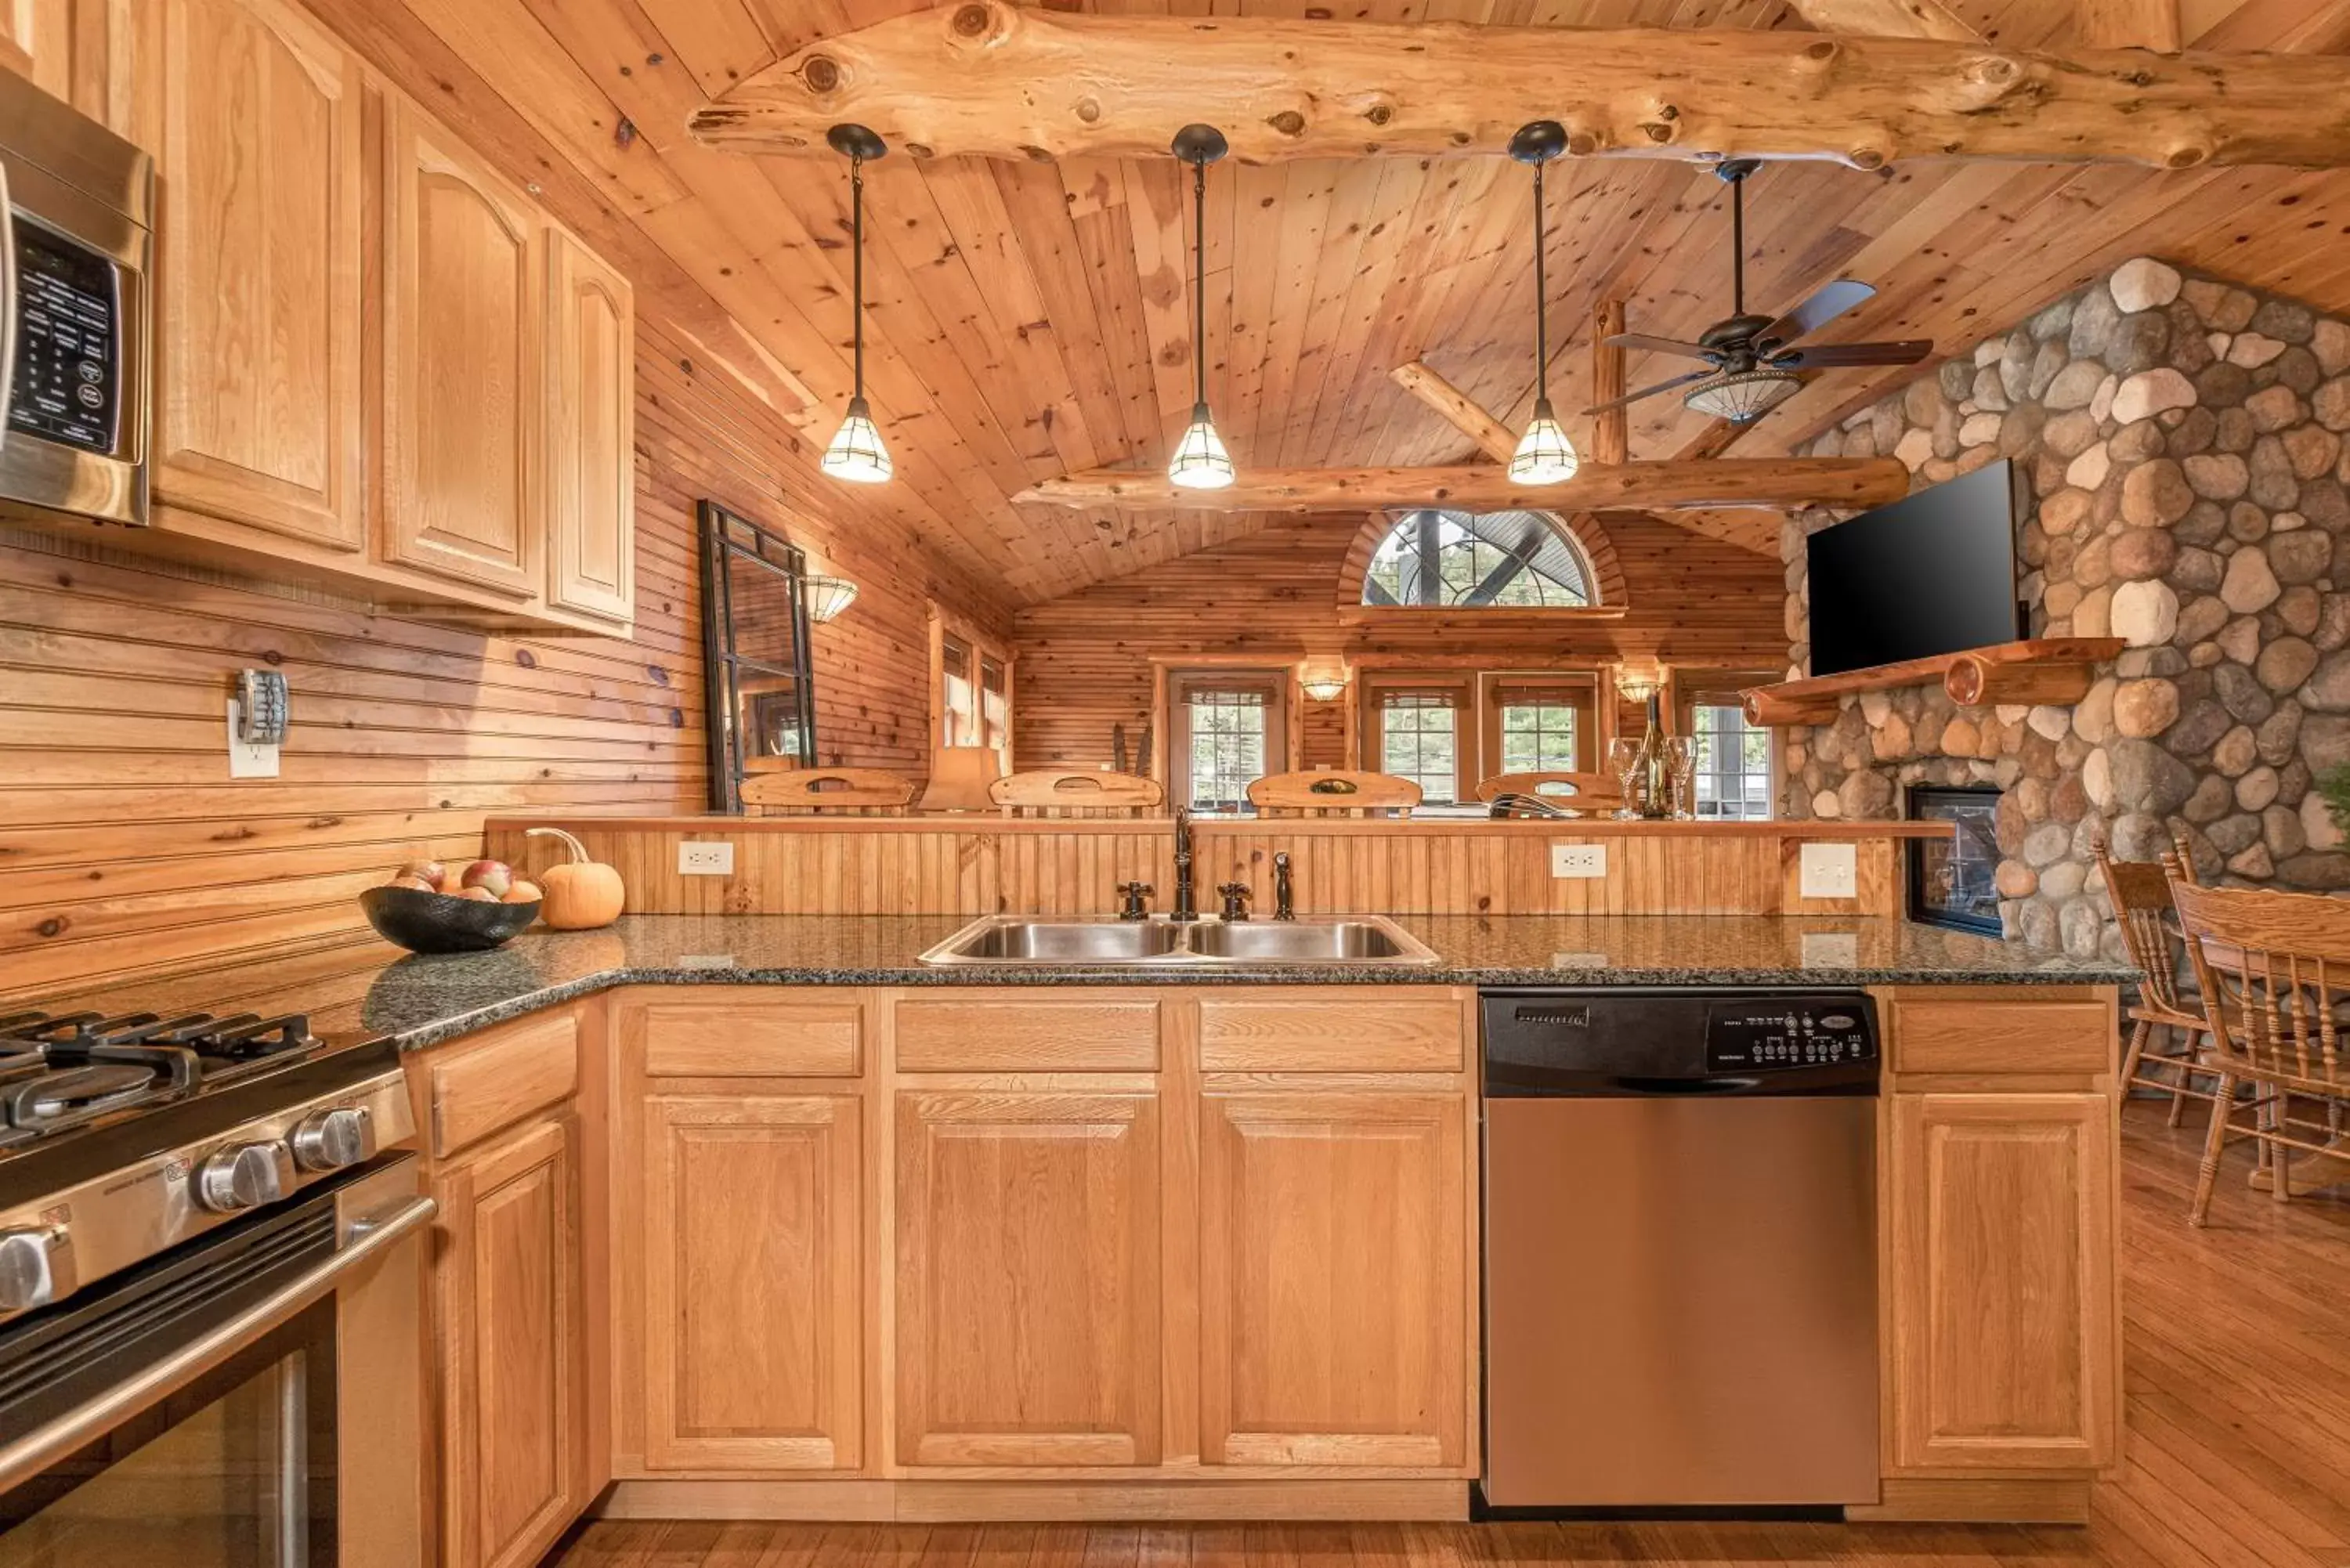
(243, 1176)
(331, 1139)
(37, 1266)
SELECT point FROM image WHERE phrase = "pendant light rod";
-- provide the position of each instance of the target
(1201, 461)
(1198, 283)
(1733, 172)
(856, 451)
(1536, 143)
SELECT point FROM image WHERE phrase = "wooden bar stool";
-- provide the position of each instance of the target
(1331, 792)
(2143, 908)
(1048, 791)
(832, 792)
(1593, 792)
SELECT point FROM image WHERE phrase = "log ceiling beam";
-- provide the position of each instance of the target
(1888, 19)
(1670, 486)
(987, 79)
(1457, 409)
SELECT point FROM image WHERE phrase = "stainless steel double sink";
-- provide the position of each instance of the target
(1368, 942)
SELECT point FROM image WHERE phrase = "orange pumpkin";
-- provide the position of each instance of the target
(580, 895)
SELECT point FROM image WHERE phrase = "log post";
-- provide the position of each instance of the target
(1611, 428)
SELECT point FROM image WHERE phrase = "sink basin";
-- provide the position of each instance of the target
(1160, 943)
(1300, 941)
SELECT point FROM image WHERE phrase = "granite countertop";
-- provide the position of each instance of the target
(369, 988)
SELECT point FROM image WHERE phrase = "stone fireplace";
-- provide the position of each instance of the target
(2183, 438)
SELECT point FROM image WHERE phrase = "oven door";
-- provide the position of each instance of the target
(193, 1413)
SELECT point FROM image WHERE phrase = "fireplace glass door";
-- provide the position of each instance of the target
(1951, 879)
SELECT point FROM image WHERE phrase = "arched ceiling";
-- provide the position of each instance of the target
(1029, 319)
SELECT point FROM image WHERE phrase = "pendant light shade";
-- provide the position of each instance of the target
(1742, 397)
(857, 452)
(1545, 455)
(1201, 461)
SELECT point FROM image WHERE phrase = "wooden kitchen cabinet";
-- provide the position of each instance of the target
(1333, 1277)
(37, 42)
(591, 461)
(1027, 1278)
(2004, 1349)
(464, 339)
(509, 1346)
(252, 112)
(754, 1324)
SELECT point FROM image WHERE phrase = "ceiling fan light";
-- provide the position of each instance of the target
(1742, 397)
(828, 597)
(1545, 455)
(1201, 461)
(857, 454)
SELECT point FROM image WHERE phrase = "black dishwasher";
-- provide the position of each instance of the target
(1680, 1250)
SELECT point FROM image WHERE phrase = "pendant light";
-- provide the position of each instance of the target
(1201, 461)
(1545, 455)
(857, 452)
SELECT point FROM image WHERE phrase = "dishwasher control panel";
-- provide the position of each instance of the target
(1760, 1033)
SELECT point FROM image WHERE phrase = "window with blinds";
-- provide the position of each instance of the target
(959, 723)
(1733, 762)
(1227, 729)
(1419, 739)
(996, 709)
(1539, 728)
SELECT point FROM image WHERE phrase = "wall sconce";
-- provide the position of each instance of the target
(1323, 685)
(1638, 684)
(828, 597)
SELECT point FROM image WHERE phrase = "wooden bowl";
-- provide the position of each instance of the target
(441, 922)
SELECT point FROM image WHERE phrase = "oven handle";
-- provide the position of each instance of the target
(24, 1457)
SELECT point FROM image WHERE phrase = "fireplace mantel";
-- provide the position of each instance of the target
(2038, 670)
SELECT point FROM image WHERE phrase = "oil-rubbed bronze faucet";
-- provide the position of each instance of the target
(1284, 902)
(1185, 908)
(1236, 896)
(1134, 893)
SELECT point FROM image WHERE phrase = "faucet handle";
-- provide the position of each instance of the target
(1134, 893)
(1236, 896)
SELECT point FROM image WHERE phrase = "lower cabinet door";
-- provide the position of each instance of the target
(2003, 1350)
(1334, 1306)
(754, 1322)
(1027, 1278)
(509, 1312)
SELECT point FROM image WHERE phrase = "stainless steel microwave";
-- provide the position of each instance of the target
(76, 205)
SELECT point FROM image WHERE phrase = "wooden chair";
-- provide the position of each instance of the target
(1051, 792)
(2142, 907)
(2274, 971)
(1574, 791)
(960, 777)
(1330, 791)
(833, 792)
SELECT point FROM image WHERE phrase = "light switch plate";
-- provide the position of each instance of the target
(1579, 860)
(705, 858)
(247, 759)
(1830, 871)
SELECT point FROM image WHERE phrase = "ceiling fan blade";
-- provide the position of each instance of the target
(1652, 392)
(1662, 346)
(1828, 302)
(1907, 352)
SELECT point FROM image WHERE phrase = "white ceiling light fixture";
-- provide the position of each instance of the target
(827, 597)
(1545, 455)
(857, 454)
(1201, 461)
(1742, 397)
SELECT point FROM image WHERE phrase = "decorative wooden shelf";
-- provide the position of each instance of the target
(2038, 670)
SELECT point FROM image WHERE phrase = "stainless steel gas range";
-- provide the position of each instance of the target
(210, 1258)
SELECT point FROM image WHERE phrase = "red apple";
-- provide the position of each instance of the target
(479, 895)
(431, 873)
(495, 874)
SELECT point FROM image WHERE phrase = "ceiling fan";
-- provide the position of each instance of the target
(1751, 361)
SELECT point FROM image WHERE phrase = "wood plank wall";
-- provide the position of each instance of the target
(125, 850)
(1085, 660)
(933, 866)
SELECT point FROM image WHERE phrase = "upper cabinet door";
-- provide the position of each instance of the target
(462, 364)
(2003, 1353)
(35, 42)
(591, 469)
(253, 114)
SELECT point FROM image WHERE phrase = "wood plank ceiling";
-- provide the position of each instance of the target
(1026, 319)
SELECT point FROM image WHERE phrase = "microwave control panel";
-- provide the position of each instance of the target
(69, 342)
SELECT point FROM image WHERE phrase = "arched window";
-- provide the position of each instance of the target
(1472, 560)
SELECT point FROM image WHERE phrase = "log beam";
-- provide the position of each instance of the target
(1632, 487)
(1458, 409)
(987, 79)
(1611, 428)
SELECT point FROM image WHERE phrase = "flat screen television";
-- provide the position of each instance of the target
(1931, 574)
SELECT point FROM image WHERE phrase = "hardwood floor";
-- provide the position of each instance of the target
(2239, 1449)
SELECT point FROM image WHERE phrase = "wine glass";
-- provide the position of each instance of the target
(1680, 764)
(1624, 762)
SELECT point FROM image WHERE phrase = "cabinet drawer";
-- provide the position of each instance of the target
(1962, 1034)
(1387, 1030)
(490, 1085)
(730, 1035)
(1028, 1034)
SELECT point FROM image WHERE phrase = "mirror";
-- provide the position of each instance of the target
(756, 681)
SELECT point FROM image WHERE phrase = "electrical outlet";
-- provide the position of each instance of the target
(1830, 871)
(248, 759)
(705, 858)
(1579, 860)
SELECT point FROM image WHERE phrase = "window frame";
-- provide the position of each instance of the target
(1177, 686)
(979, 652)
(1396, 521)
(1459, 686)
(1690, 689)
(1578, 690)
